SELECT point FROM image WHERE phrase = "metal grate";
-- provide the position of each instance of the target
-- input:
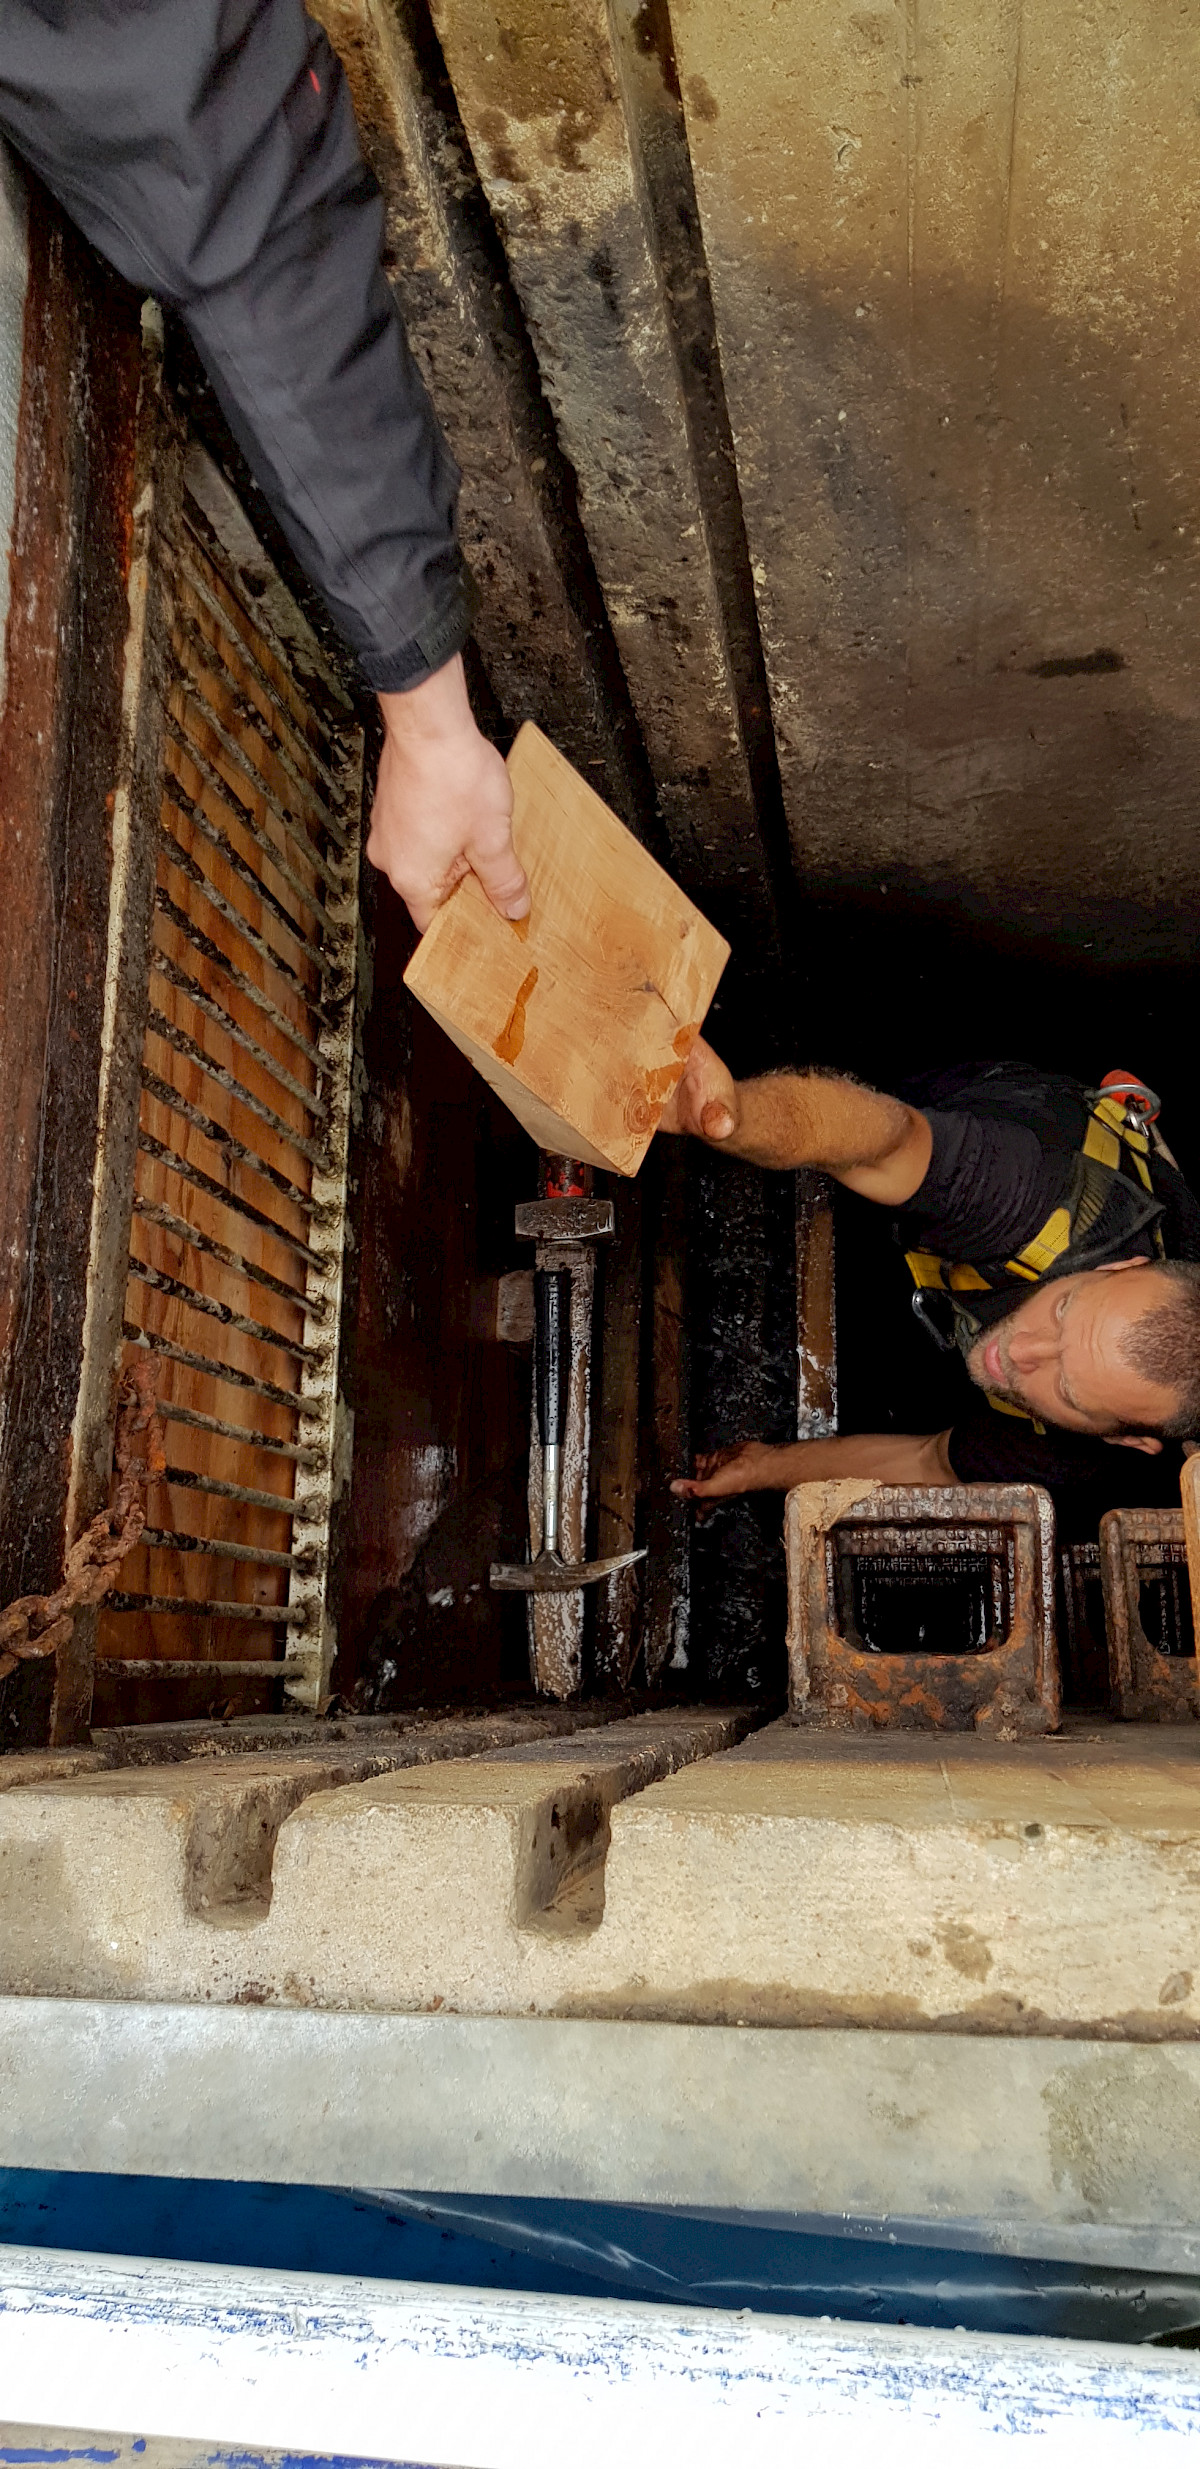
(239, 1195)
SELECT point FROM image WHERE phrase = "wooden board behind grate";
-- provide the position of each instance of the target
(232, 1122)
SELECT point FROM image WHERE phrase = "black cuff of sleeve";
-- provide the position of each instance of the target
(442, 632)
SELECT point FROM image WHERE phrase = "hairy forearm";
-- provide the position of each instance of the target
(874, 1144)
(886, 1457)
(804, 1119)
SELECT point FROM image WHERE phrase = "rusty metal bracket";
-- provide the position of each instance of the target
(1148, 1614)
(584, 1220)
(966, 1572)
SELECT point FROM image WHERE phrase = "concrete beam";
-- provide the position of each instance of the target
(160, 1881)
(1071, 2148)
(648, 1871)
(554, 107)
(541, 626)
(961, 366)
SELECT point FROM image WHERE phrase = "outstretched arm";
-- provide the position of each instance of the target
(874, 1145)
(211, 153)
(885, 1457)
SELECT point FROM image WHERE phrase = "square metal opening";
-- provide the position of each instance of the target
(929, 1590)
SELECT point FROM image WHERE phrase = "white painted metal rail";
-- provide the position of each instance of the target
(401, 2372)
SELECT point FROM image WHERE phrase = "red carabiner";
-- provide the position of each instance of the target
(1141, 1103)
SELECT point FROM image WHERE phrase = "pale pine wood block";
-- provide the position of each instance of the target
(582, 1017)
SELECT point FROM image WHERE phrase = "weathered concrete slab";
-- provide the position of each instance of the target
(956, 333)
(160, 1881)
(1041, 1888)
(544, 653)
(650, 1870)
(551, 110)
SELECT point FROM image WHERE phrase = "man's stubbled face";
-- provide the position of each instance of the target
(1060, 1354)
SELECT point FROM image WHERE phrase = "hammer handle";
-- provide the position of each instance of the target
(552, 1307)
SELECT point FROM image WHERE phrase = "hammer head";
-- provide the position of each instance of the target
(550, 1575)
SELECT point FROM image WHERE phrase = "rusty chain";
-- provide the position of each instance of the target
(39, 1624)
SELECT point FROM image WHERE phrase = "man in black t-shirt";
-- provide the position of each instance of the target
(1055, 1252)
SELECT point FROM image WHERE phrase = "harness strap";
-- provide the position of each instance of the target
(1108, 1133)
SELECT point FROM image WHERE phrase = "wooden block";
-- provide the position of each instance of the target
(582, 1017)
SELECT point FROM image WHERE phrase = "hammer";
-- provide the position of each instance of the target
(550, 1573)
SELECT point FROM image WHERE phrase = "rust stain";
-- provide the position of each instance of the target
(685, 1038)
(512, 1036)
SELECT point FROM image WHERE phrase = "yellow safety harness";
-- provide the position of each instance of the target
(1114, 1134)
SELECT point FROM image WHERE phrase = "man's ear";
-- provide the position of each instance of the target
(1145, 1441)
(1113, 1268)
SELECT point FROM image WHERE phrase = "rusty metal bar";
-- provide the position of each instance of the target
(158, 1023)
(120, 943)
(265, 1615)
(171, 1160)
(224, 1140)
(182, 1478)
(182, 858)
(156, 1213)
(210, 666)
(816, 1313)
(300, 1451)
(214, 1310)
(309, 894)
(250, 771)
(178, 796)
(187, 571)
(146, 1667)
(157, 1539)
(212, 952)
(163, 966)
(156, 1345)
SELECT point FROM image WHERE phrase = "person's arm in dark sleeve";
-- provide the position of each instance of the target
(208, 149)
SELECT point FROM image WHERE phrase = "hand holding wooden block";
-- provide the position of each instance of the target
(582, 1016)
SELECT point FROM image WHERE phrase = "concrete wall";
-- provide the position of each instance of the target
(868, 338)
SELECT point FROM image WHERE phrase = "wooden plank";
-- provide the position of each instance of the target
(60, 755)
(582, 1016)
